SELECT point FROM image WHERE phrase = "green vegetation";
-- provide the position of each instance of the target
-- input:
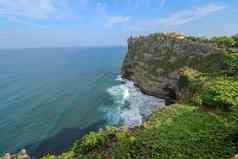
(204, 126)
(222, 93)
(214, 83)
(94, 141)
(222, 41)
(235, 37)
(231, 64)
(179, 131)
(198, 39)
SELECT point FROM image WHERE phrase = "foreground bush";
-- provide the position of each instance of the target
(181, 132)
(94, 140)
(49, 157)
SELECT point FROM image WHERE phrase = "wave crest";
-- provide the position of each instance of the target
(129, 105)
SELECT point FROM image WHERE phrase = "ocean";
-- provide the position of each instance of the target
(51, 97)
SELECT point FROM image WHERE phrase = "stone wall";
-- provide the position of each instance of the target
(153, 62)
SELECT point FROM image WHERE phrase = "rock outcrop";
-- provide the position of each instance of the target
(153, 62)
(235, 157)
(21, 155)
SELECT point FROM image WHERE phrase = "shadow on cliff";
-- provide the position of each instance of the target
(60, 142)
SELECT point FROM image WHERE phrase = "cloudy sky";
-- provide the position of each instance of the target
(65, 23)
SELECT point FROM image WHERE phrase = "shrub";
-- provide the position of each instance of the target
(197, 39)
(197, 100)
(231, 64)
(94, 140)
(90, 157)
(224, 41)
(222, 93)
(190, 83)
(181, 132)
(89, 142)
(49, 157)
(108, 132)
(125, 142)
(67, 155)
(235, 37)
(122, 135)
(190, 78)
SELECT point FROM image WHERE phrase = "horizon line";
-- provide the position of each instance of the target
(58, 47)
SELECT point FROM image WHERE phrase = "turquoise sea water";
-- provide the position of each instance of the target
(50, 97)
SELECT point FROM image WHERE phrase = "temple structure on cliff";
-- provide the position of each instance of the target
(176, 35)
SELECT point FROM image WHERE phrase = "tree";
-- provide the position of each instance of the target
(235, 38)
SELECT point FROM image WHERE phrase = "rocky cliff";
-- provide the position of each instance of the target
(153, 62)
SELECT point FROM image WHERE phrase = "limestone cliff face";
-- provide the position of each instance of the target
(153, 62)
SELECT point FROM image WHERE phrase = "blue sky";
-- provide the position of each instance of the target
(62, 23)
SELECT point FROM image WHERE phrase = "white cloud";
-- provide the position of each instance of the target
(107, 19)
(118, 20)
(30, 9)
(186, 16)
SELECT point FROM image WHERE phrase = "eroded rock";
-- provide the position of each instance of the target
(21, 155)
(153, 62)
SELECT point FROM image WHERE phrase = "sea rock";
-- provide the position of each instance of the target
(235, 157)
(7, 156)
(21, 155)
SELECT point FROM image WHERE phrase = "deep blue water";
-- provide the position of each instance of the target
(50, 97)
(43, 91)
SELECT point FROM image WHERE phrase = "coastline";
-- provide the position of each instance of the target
(67, 137)
(131, 105)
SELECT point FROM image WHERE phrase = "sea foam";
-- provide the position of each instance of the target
(129, 105)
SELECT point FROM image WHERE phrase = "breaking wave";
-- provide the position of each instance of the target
(129, 105)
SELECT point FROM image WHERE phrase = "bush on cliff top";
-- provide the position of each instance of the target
(222, 93)
(221, 41)
(224, 41)
(200, 89)
(231, 64)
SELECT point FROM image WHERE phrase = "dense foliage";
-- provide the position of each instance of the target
(222, 93)
(190, 83)
(224, 41)
(231, 64)
(221, 41)
(216, 84)
(179, 131)
(94, 140)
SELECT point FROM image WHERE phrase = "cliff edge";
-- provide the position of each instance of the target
(153, 62)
